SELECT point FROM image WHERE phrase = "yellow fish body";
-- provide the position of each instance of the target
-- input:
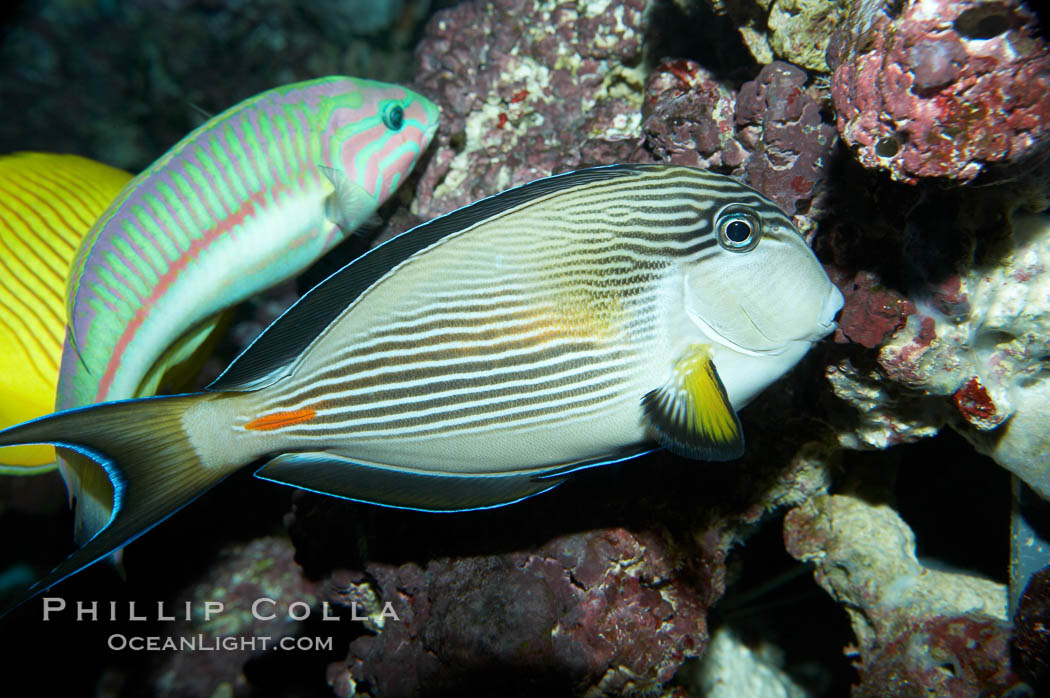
(482, 357)
(48, 202)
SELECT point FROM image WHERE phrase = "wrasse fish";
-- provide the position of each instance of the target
(482, 357)
(48, 202)
(248, 199)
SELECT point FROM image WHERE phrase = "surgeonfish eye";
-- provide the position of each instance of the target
(738, 227)
(393, 116)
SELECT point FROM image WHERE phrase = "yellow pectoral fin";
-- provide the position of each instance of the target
(691, 414)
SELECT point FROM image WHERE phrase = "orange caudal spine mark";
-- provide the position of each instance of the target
(278, 420)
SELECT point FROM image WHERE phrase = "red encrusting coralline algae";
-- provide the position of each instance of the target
(940, 88)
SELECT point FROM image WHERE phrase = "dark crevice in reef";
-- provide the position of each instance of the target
(711, 40)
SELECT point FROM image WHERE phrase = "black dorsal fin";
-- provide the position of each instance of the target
(275, 351)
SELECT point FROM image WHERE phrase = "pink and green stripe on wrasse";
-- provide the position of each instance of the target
(245, 201)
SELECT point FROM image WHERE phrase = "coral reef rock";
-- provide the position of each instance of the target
(780, 125)
(689, 117)
(244, 574)
(793, 30)
(730, 669)
(770, 133)
(601, 587)
(521, 100)
(521, 104)
(601, 611)
(940, 88)
(970, 351)
(917, 628)
(1032, 632)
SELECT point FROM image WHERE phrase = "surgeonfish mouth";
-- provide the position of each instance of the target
(757, 352)
(483, 357)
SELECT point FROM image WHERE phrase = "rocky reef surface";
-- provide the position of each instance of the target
(262, 593)
(600, 588)
(916, 626)
(907, 139)
(940, 88)
(797, 31)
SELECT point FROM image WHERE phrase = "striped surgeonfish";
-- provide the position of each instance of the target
(248, 199)
(482, 357)
(48, 202)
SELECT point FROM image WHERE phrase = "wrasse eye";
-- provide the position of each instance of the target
(393, 116)
(738, 228)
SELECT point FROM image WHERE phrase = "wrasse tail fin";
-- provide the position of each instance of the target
(147, 454)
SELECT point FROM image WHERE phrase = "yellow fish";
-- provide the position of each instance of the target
(48, 202)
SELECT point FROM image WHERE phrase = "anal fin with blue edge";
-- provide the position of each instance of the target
(332, 474)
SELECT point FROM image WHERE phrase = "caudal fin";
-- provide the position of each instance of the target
(147, 455)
